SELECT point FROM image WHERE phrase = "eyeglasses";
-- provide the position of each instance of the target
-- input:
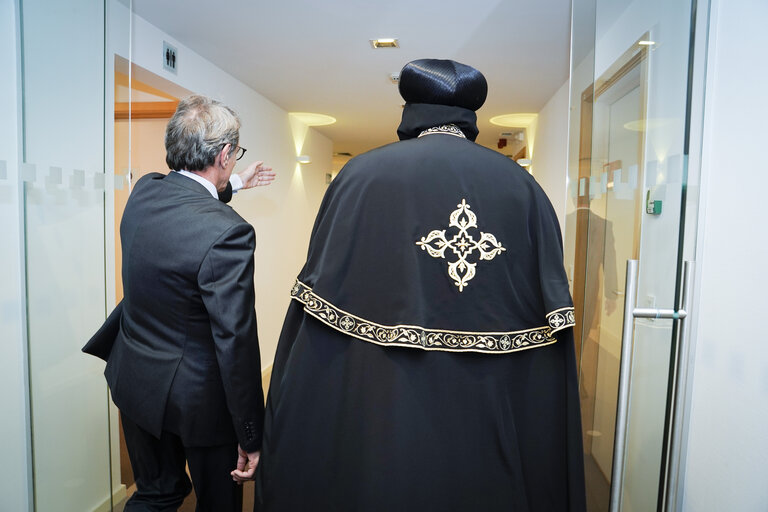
(239, 153)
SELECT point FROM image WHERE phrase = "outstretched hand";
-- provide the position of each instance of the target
(246, 466)
(257, 175)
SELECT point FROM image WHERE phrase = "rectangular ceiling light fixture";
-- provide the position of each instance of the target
(384, 43)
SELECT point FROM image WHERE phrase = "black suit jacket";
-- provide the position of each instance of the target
(186, 356)
(101, 343)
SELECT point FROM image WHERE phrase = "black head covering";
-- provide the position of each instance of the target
(443, 82)
(439, 92)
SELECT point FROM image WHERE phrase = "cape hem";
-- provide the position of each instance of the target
(423, 338)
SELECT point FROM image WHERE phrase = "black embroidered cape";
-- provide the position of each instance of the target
(426, 361)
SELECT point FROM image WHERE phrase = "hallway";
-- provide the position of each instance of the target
(640, 119)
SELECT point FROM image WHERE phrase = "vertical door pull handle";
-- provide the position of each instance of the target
(625, 375)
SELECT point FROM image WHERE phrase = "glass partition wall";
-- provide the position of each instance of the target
(628, 173)
(56, 185)
(80, 122)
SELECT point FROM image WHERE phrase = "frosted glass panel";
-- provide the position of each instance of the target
(64, 205)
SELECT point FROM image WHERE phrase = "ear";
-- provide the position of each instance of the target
(224, 154)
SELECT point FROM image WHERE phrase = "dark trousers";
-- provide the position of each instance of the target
(161, 478)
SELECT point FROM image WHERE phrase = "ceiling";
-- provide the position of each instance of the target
(315, 56)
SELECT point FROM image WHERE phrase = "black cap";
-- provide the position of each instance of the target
(443, 82)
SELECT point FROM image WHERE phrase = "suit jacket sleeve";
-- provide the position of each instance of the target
(226, 285)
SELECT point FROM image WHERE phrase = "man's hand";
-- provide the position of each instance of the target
(246, 466)
(257, 175)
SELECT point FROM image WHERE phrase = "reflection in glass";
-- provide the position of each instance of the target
(607, 227)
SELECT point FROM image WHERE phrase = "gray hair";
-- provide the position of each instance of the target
(198, 130)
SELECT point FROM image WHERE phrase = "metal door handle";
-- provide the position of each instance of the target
(674, 314)
(625, 373)
(625, 378)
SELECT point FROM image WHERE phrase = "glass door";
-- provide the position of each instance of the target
(63, 203)
(627, 180)
(64, 183)
(611, 211)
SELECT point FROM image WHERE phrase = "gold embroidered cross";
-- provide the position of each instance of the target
(462, 245)
(347, 323)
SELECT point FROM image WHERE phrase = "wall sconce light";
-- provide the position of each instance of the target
(304, 159)
(524, 162)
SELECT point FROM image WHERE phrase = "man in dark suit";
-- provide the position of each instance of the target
(185, 366)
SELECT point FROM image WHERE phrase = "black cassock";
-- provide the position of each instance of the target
(426, 362)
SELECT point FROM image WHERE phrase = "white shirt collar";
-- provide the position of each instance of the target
(204, 182)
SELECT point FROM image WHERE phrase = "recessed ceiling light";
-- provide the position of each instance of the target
(646, 43)
(514, 120)
(311, 119)
(385, 42)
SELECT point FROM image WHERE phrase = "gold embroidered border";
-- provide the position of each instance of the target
(428, 339)
(447, 129)
(561, 318)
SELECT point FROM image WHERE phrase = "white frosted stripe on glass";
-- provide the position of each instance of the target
(633, 176)
(98, 181)
(652, 170)
(604, 182)
(674, 169)
(28, 172)
(582, 186)
(77, 180)
(594, 187)
(54, 176)
(119, 182)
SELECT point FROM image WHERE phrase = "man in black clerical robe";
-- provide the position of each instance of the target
(426, 362)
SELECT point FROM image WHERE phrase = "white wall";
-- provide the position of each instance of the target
(550, 163)
(727, 444)
(14, 477)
